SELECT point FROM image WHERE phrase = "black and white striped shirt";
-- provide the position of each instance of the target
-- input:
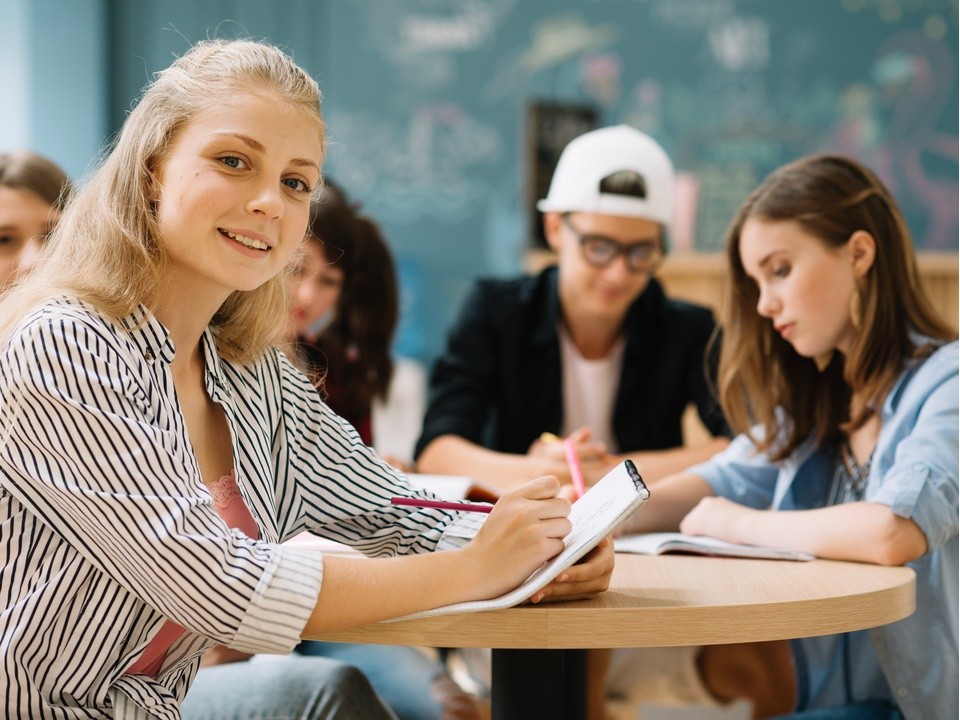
(106, 528)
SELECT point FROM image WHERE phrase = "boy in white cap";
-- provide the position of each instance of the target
(591, 349)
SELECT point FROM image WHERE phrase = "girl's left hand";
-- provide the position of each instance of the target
(587, 577)
(717, 517)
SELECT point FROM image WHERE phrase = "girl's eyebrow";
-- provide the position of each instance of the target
(766, 259)
(246, 139)
(259, 147)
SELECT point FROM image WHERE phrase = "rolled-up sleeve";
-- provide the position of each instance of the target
(921, 484)
(283, 601)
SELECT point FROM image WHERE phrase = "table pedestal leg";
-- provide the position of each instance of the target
(539, 684)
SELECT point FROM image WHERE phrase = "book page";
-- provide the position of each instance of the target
(659, 543)
(594, 516)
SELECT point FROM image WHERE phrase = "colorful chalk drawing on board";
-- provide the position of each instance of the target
(427, 164)
(436, 152)
(554, 40)
(420, 40)
(430, 157)
(917, 73)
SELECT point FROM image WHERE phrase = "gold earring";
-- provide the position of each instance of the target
(823, 360)
(856, 310)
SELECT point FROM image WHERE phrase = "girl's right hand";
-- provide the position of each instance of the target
(525, 529)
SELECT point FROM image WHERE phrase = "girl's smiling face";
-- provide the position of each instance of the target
(233, 195)
(805, 286)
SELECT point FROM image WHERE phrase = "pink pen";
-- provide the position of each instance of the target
(442, 504)
(573, 461)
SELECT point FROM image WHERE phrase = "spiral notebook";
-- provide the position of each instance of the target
(616, 497)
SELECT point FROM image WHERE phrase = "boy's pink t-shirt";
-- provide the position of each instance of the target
(230, 506)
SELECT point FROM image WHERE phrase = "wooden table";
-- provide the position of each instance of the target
(655, 602)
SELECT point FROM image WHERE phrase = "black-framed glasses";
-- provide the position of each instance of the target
(600, 251)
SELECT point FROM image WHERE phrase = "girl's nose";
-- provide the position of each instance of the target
(766, 304)
(266, 201)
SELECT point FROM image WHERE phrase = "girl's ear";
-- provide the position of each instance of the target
(863, 251)
(153, 190)
(154, 180)
(552, 228)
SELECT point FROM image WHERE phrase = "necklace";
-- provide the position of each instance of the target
(854, 475)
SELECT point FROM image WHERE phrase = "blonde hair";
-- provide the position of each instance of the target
(106, 249)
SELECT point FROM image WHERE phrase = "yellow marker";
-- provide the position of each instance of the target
(549, 437)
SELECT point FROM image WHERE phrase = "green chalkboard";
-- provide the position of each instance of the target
(426, 102)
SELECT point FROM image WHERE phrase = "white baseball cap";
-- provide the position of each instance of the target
(593, 156)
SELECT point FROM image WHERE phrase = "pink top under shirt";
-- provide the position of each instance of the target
(228, 502)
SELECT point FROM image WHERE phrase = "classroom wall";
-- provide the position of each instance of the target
(54, 59)
(14, 120)
(426, 102)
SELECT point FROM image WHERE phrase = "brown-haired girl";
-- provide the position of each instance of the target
(843, 382)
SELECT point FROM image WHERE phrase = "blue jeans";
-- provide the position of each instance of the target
(401, 675)
(870, 710)
(271, 687)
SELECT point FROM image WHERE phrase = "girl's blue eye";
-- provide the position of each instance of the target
(781, 271)
(296, 184)
(232, 161)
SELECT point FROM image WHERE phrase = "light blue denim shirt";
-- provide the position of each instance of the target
(914, 471)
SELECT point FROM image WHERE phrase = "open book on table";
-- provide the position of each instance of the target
(594, 516)
(660, 543)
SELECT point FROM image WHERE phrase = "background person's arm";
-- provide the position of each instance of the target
(454, 455)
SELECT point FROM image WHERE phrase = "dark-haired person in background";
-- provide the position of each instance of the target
(590, 349)
(343, 314)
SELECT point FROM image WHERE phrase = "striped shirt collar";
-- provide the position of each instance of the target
(152, 339)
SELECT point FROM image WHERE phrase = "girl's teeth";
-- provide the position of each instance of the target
(246, 241)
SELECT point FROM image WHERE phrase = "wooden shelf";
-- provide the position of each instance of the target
(698, 278)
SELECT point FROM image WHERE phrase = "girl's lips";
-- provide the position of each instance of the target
(785, 329)
(244, 236)
(243, 249)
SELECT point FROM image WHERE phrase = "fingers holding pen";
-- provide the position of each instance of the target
(538, 505)
(525, 529)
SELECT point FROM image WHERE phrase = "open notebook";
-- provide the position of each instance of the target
(594, 516)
